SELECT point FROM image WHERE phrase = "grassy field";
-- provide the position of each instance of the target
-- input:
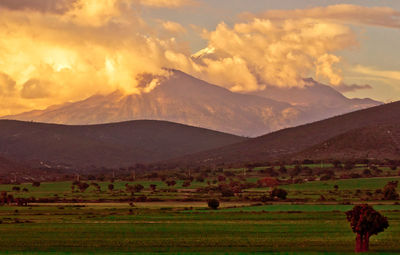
(302, 228)
(100, 224)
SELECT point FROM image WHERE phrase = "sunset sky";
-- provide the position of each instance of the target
(54, 51)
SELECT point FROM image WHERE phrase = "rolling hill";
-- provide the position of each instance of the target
(110, 145)
(8, 166)
(376, 142)
(294, 140)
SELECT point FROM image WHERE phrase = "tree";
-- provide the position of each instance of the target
(83, 186)
(171, 183)
(213, 204)
(153, 187)
(348, 165)
(186, 183)
(35, 184)
(279, 193)
(389, 191)
(337, 164)
(138, 188)
(365, 222)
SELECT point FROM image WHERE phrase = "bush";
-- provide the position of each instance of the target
(213, 204)
(279, 193)
(227, 192)
(138, 188)
(390, 193)
(35, 184)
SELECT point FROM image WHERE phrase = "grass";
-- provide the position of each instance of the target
(115, 229)
(348, 184)
(173, 227)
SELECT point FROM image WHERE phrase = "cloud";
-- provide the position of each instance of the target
(262, 52)
(341, 13)
(386, 74)
(55, 6)
(66, 50)
(7, 85)
(173, 27)
(281, 47)
(351, 87)
(36, 88)
(94, 47)
(168, 3)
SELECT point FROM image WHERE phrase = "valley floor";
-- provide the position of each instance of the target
(120, 229)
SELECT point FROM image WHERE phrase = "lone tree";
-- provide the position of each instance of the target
(279, 193)
(365, 222)
(213, 204)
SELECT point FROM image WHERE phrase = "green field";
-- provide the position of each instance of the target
(87, 229)
(104, 222)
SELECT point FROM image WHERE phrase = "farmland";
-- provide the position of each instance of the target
(110, 229)
(113, 215)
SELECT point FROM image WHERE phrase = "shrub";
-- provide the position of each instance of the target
(35, 184)
(138, 188)
(213, 204)
(279, 193)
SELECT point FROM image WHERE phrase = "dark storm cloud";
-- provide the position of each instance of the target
(54, 6)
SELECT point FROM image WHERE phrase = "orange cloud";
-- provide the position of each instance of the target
(95, 47)
(341, 13)
(168, 3)
(263, 52)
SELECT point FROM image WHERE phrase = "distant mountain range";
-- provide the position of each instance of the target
(340, 136)
(109, 145)
(184, 99)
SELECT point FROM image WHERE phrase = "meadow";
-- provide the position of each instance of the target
(175, 219)
(284, 228)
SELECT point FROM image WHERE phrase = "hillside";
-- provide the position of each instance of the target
(115, 144)
(296, 139)
(8, 166)
(378, 142)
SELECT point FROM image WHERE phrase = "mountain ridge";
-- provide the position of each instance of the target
(111, 145)
(184, 99)
(286, 142)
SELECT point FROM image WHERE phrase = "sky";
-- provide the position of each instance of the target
(56, 51)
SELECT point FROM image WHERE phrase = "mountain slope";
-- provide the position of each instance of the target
(376, 142)
(318, 100)
(296, 139)
(180, 98)
(8, 166)
(115, 144)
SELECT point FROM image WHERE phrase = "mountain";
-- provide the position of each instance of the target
(318, 100)
(110, 145)
(294, 140)
(180, 98)
(184, 99)
(376, 142)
